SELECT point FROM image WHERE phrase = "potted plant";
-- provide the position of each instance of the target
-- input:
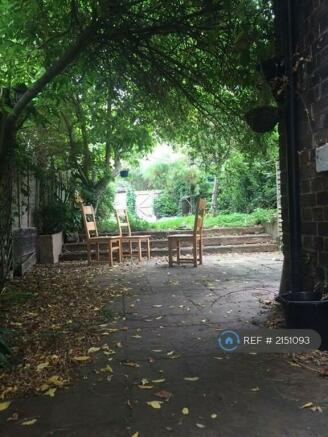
(124, 173)
(53, 219)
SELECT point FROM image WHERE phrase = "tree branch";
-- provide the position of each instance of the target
(58, 67)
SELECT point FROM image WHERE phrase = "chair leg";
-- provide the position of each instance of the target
(170, 253)
(194, 252)
(200, 251)
(89, 253)
(97, 252)
(130, 248)
(178, 252)
(139, 251)
(110, 254)
(120, 251)
(148, 248)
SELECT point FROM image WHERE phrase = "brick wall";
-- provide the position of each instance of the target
(311, 62)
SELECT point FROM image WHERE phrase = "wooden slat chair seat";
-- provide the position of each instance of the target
(195, 238)
(127, 237)
(112, 243)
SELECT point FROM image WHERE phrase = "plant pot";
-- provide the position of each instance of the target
(306, 310)
(124, 173)
(50, 247)
(262, 119)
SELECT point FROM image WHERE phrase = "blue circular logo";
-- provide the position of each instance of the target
(228, 341)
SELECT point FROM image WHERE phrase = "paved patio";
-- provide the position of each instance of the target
(167, 327)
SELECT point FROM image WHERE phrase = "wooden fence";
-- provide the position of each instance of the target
(21, 195)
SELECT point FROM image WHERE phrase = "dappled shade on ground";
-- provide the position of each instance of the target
(149, 361)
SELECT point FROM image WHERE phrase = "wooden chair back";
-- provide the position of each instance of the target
(89, 221)
(123, 223)
(199, 217)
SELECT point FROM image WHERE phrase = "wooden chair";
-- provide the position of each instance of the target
(113, 243)
(127, 237)
(195, 238)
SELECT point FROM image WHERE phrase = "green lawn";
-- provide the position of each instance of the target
(186, 222)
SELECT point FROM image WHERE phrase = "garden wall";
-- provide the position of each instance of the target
(311, 70)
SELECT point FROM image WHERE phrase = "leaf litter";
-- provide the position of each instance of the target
(58, 326)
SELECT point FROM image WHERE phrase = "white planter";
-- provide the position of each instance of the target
(50, 247)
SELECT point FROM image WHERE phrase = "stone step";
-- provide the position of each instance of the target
(225, 240)
(158, 235)
(208, 241)
(239, 248)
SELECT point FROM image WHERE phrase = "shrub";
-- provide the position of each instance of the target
(131, 202)
(166, 205)
(57, 216)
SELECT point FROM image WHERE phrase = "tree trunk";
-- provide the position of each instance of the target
(215, 192)
(7, 148)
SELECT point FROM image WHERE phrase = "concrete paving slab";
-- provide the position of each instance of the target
(168, 323)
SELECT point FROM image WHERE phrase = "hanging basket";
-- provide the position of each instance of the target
(262, 119)
(124, 173)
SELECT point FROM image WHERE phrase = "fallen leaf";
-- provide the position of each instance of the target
(163, 394)
(170, 353)
(13, 417)
(56, 380)
(158, 381)
(307, 405)
(255, 388)
(107, 369)
(51, 392)
(200, 425)
(4, 405)
(185, 411)
(191, 378)
(136, 434)
(44, 387)
(93, 350)
(291, 363)
(109, 352)
(146, 387)
(81, 358)
(173, 357)
(29, 422)
(130, 364)
(42, 366)
(214, 416)
(155, 404)
(144, 381)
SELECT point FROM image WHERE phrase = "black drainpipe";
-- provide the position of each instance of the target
(292, 162)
